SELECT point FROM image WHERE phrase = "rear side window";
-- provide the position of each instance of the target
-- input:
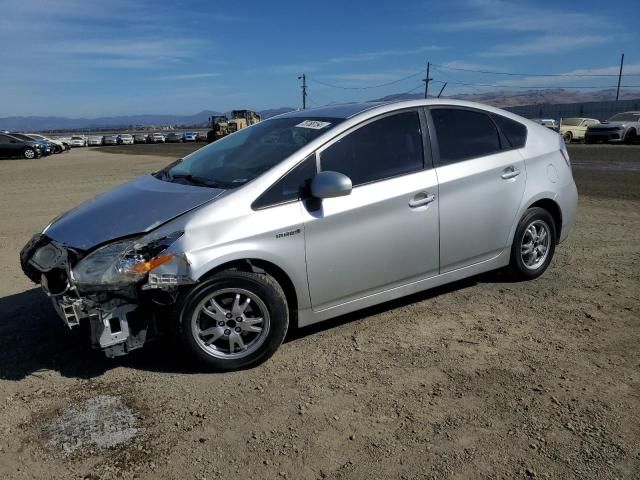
(385, 148)
(290, 187)
(515, 132)
(464, 134)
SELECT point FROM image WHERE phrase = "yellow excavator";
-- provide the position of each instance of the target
(221, 126)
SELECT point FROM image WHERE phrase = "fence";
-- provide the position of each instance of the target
(598, 110)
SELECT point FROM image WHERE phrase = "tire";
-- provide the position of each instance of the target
(212, 338)
(630, 137)
(527, 266)
(568, 137)
(29, 153)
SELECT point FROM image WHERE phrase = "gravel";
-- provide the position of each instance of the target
(103, 422)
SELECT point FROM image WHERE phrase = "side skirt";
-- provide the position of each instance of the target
(308, 316)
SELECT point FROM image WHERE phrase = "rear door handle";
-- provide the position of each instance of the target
(510, 172)
(421, 199)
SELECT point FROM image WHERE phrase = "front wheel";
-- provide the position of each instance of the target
(29, 153)
(234, 320)
(533, 244)
(630, 137)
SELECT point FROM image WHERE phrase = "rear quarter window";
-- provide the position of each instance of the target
(514, 132)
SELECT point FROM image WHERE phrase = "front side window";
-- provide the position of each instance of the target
(385, 148)
(625, 117)
(291, 186)
(464, 134)
(243, 156)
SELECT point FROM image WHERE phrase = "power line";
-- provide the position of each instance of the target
(540, 87)
(369, 86)
(490, 72)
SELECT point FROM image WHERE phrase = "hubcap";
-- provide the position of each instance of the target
(230, 323)
(29, 154)
(535, 244)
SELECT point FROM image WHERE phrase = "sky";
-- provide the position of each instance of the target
(84, 58)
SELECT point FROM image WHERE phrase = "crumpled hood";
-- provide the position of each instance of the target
(135, 207)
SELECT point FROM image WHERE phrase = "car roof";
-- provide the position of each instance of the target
(350, 110)
(345, 110)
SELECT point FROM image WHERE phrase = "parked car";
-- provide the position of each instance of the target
(125, 139)
(156, 138)
(140, 138)
(94, 140)
(622, 127)
(56, 145)
(173, 137)
(304, 217)
(110, 140)
(12, 146)
(574, 129)
(547, 122)
(201, 137)
(45, 147)
(78, 141)
(189, 137)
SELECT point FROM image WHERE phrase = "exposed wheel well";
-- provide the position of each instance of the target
(553, 208)
(262, 266)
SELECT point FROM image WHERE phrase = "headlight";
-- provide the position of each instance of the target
(124, 262)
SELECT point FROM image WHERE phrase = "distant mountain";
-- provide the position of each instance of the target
(528, 97)
(62, 123)
(201, 119)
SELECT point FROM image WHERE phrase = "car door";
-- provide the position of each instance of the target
(481, 183)
(385, 233)
(5, 146)
(10, 146)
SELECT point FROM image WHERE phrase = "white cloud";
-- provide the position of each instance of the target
(190, 76)
(500, 15)
(547, 44)
(370, 56)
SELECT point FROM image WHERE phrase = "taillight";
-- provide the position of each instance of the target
(565, 155)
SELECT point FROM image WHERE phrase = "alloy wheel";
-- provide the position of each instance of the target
(534, 248)
(230, 323)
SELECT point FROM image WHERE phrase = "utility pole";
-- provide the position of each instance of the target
(304, 91)
(619, 77)
(426, 81)
(442, 89)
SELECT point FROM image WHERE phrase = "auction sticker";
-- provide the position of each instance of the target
(315, 124)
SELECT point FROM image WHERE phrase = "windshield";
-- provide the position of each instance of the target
(625, 117)
(241, 157)
(77, 138)
(572, 122)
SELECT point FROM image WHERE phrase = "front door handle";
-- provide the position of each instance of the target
(510, 172)
(423, 198)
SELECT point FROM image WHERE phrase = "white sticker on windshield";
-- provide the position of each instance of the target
(315, 124)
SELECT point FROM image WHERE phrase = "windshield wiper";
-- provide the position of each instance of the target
(193, 179)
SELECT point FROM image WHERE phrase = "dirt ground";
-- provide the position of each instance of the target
(484, 378)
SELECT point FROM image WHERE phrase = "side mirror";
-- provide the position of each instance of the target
(330, 184)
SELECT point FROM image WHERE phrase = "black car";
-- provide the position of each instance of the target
(45, 147)
(140, 138)
(12, 146)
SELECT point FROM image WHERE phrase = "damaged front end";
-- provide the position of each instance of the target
(122, 290)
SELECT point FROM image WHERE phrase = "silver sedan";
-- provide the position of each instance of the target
(304, 217)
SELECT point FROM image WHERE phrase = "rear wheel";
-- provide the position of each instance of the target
(568, 137)
(533, 245)
(234, 320)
